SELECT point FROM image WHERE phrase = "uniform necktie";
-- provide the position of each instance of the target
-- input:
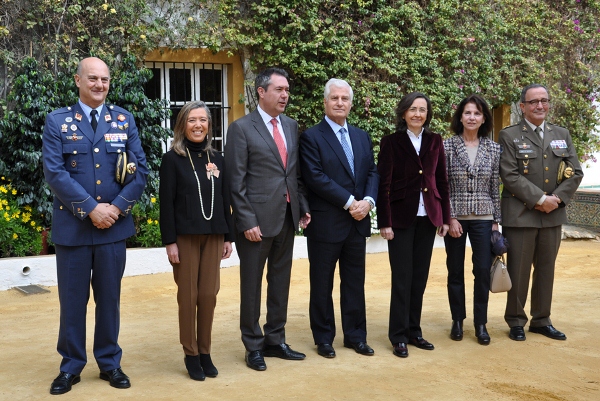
(347, 148)
(281, 147)
(93, 121)
(539, 131)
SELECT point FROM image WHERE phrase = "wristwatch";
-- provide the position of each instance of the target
(371, 203)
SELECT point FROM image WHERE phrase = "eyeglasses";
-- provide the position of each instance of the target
(535, 102)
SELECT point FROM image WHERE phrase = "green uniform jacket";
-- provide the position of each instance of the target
(529, 169)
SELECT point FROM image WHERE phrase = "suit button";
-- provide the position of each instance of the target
(98, 197)
(420, 171)
(563, 154)
(98, 182)
(118, 150)
(546, 169)
(546, 180)
(97, 166)
(74, 152)
(96, 150)
(60, 207)
(525, 204)
(526, 156)
(424, 189)
(545, 156)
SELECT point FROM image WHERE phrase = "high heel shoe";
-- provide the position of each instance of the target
(207, 365)
(192, 364)
(456, 332)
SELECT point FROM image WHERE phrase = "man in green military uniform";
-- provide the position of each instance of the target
(533, 208)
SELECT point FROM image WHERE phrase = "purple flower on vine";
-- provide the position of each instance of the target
(576, 21)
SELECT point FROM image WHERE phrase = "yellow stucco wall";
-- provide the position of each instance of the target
(235, 74)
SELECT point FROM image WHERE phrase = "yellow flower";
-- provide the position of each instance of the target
(149, 221)
(7, 207)
(3, 178)
(32, 223)
(3, 189)
(153, 200)
(105, 6)
(143, 37)
(155, 222)
(190, 19)
(28, 208)
(113, 11)
(15, 236)
(14, 191)
(38, 229)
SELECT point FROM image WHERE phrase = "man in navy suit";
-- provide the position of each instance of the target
(91, 219)
(339, 172)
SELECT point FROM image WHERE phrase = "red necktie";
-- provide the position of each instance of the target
(281, 147)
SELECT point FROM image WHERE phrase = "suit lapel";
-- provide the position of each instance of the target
(408, 147)
(103, 124)
(81, 121)
(263, 131)
(336, 146)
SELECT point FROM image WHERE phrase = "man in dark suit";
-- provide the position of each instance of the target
(91, 219)
(339, 172)
(268, 201)
(533, 209)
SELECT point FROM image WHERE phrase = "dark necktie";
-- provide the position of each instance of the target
(93, 121)
(347, 148)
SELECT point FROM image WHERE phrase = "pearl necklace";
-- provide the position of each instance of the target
(212, 182)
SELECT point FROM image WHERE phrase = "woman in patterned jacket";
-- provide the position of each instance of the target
(472, 161)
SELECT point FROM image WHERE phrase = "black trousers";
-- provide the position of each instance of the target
(410, 256)
(479, 232)
(323, 258)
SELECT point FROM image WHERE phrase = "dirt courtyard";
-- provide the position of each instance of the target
(536, 369)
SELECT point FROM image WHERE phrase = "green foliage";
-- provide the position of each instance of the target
(147, 227)
(447, 49)
(20, 231)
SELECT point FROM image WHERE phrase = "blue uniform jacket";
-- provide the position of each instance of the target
(79, 166)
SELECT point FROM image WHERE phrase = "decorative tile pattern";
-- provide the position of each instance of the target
(584, 209)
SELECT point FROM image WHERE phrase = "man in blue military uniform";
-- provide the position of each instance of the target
(82, 145)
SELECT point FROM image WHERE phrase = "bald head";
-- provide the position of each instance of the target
(93, 80)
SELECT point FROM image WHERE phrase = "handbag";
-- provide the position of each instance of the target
(499, 277)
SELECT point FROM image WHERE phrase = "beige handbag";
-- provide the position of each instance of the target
(499, 278)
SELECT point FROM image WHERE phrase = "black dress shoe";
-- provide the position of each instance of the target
(192, 364)
(326, 350)
(482, 335)
(255, 360)
(116, 378)
(63, 383)
(548, 331)
(456, 332)
(401, 350)
(422, 343)
(282, 351)
(517, 333)
(208, 367)
(360, 348)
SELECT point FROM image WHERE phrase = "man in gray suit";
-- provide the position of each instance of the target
(533, 208)
(268, 201)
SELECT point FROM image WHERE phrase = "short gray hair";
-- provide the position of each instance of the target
(340, 83)
(532, 86)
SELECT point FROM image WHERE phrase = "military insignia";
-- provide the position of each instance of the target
(64, 128)
(107, 118)
(525, 166)
(516, 140)
(131, 167)
(525, 128)
(121, 117)
(113, 125)
(68, 119)
(78, 116)
(74, 163)
(111, 107)
(115, 137)
(75, 137)
(73, 127)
